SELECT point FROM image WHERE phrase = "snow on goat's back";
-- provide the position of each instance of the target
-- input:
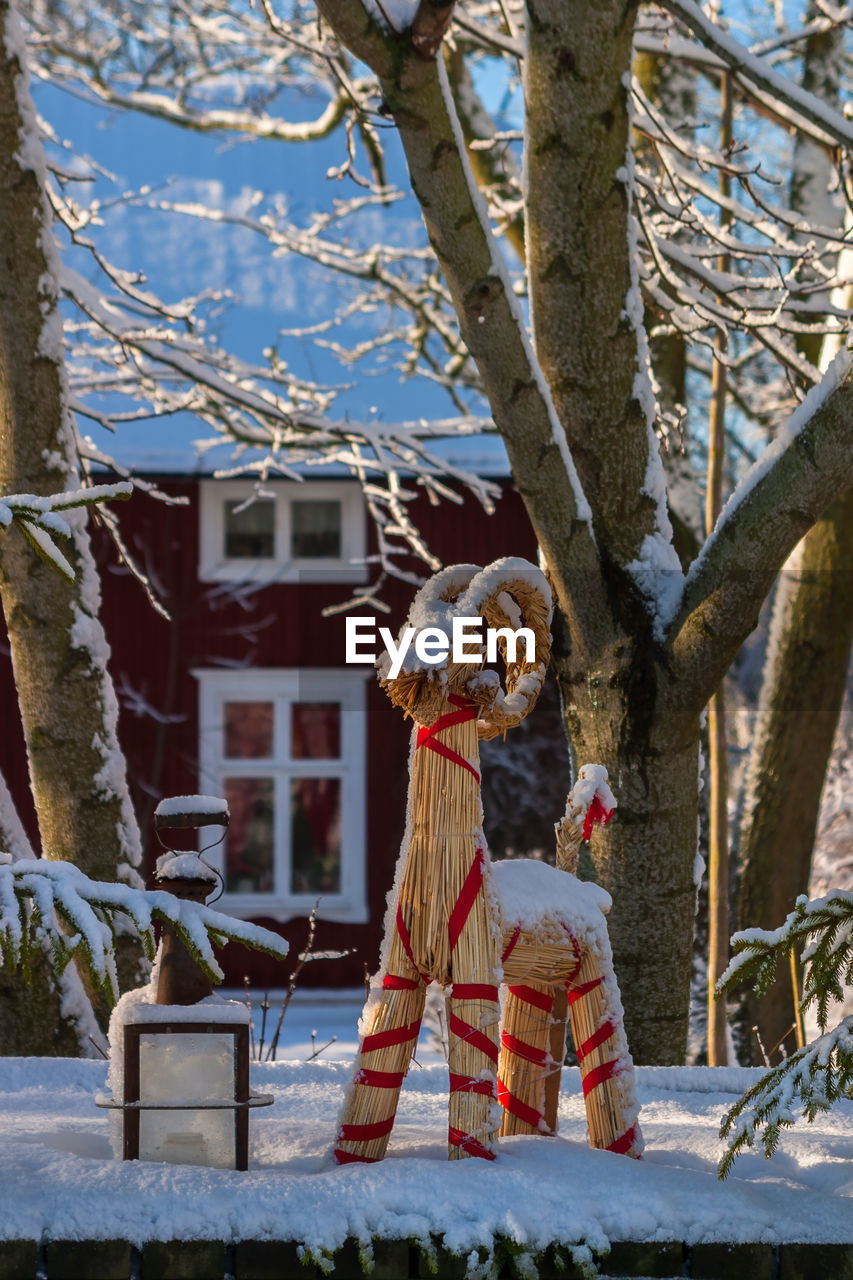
(534, 893)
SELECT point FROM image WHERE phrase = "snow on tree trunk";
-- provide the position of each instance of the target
(59, 653)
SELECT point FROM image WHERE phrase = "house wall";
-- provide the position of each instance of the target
(213, 625)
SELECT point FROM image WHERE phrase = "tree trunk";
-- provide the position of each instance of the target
(808, 651)
(32, 1020)
(59, 653)
(637, 652)
(801, 698)
(645, 857)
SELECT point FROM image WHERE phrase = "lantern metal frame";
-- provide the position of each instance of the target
(133, 1105)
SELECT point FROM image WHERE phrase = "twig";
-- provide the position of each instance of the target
(265, 1004)
(101, 1051)
(322, 1048)
(294, 977)
(251, 1022)
(761, 1046)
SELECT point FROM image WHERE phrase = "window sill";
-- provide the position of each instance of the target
(342, 911)
(273, 573)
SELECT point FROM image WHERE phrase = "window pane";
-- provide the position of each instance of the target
(315, 730)
(248, 728)
(315, 530)
(250, 530)
(315, 832)
(249, 844)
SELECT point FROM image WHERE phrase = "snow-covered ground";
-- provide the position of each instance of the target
(59, 1179)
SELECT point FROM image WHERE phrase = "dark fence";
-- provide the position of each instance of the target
(400, 1260)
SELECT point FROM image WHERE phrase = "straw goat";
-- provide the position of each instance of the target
(467, 925)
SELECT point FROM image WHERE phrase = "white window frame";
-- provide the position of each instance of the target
(284, 686)
(215, 566)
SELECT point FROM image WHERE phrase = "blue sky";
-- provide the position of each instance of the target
(181, 255)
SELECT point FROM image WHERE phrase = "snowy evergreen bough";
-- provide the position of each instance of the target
(51, 904)
(38, 519)
(821, 1072)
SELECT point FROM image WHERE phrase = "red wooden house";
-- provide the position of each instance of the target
(245, 693)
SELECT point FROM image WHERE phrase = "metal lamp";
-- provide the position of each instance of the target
(186, 1096)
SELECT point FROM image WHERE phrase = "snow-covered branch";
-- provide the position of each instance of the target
(210, 65)
(37, 517)
(757, 73)
(820, 933)
(490, 319)
(809, 462)
(816, 1075)
(54, 903)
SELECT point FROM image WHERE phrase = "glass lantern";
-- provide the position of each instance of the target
(185, 1068)
(186, 1090)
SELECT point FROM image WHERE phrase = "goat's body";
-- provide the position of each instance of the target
(447, 925)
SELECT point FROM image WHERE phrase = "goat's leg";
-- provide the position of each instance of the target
(390, 1025)
(474, 1022)
(595, 1010)
(525, 1059)
(557, 1047)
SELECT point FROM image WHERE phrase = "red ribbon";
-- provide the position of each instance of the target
(364, 1132)
(604, 1032)
(467, 898)
(510, 946)
(516, 1107)
(521, 1049)
(473, 991)
(426, 733)
(624, 1144)
(577, 993)
(539, 999)
(406, 941)
(393, 982)
(379, 1079)
(595, 813)
(578, 955)
(350, 1157)
(471, 1084)
(394, 1035)
(475, 1038)
(598, 1075)
(469, 1143)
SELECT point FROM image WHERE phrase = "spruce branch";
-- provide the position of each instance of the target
(823, 929)
(36, 517)
(818, 1075)
(821, 1072)
(54, 903)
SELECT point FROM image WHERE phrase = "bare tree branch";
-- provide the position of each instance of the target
(808, 465)
(757, 73)
(429, 26)
(491, 326)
